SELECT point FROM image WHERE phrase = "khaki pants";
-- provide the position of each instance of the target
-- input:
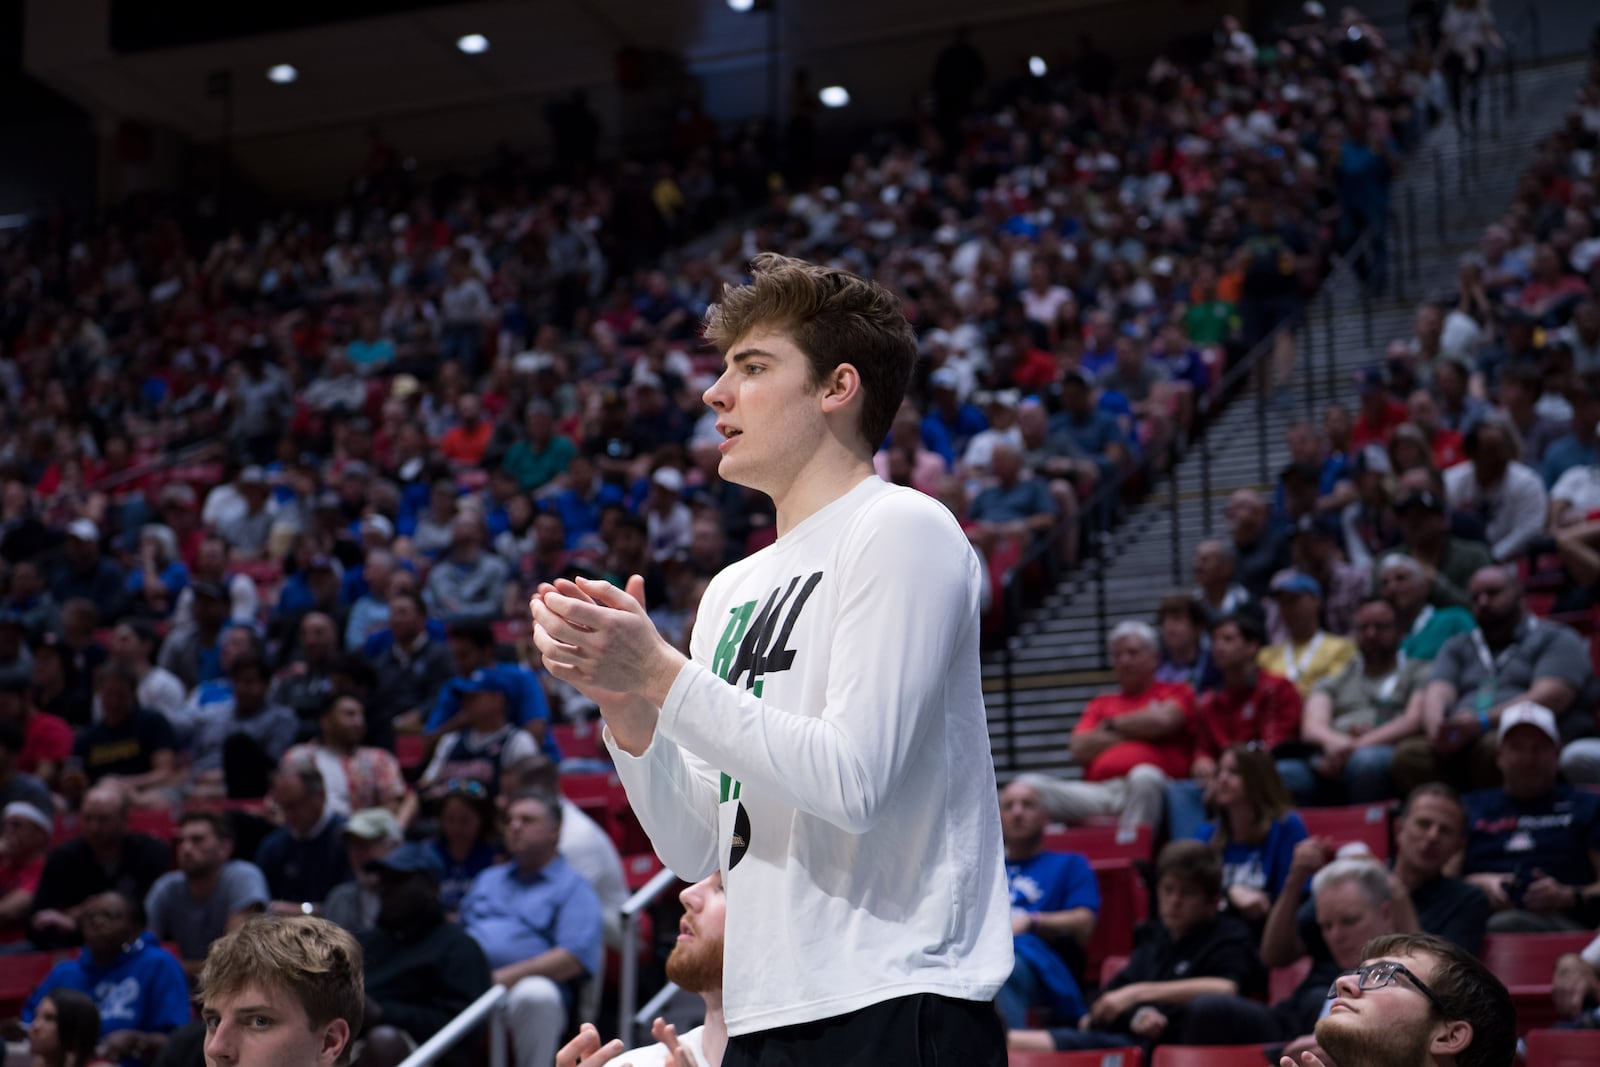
(1416, 763)
(1138, 799)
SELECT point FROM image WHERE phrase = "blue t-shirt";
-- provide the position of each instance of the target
(1259, 866)
(524, 704)
(458, 877)
(175, 576)
(143, 989)
(1052, 881)
(370, 353)
(580, 516)
(1553, 834)
(1094, 433)
(969, 422)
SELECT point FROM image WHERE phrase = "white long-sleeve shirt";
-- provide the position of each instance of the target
(1514, 511)
(827, 749)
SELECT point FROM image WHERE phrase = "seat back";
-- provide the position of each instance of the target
(1101, 842)
(1366, 823)
(1283, 981)
(1563, 1048)
(1213, 1056)
(579, 740)
(1124, 904)
(1529, 959)
(19, 977)
(1106, 1057)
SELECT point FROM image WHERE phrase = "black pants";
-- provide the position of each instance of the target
(923, 1030)
(1218, 1020)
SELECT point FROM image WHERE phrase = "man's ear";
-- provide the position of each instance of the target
(336, 1038)
(1450, 1038)
(842, 385)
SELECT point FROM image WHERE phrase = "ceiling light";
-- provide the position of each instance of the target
(741, 6)
(834, 96)
(473, 44)
(282, 74)
(1037, 67)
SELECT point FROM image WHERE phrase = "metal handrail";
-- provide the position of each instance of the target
(491, 1005)
(166, 461)
(628, 982)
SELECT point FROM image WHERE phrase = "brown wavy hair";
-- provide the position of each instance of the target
(832, 316)
(313, 960)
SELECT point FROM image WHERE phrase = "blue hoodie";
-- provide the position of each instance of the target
(143, 989)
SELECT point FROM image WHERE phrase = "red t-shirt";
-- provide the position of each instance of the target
(1268, 712)
(46, 738)
(15, 876)
(464, 446)
(1172, 755)
(1365, 432)
(1447, 448)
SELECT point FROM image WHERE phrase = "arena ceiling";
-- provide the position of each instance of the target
(407, 63)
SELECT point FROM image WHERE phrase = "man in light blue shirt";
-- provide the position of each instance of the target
(539, 923)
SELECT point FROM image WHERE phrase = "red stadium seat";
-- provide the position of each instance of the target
(1215, 1056)
(1124, 904)
(1101, 842)
(1526, 963)
(157, 822)
(603, 799)
(1563, 1048)
(639, 869)
(261, 571)
(590, 790)
(1366, 823)
(1109, 1057)
(410, 749)
(579, 740)
(255, 806)
(509, 631)
(1283, 981)
(1109, 968)
(19, 977)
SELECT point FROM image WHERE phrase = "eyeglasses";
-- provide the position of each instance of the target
(1378, 975)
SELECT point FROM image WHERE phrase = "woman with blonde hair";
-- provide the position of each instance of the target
(1254, 829)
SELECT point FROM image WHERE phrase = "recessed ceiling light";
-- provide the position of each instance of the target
(741, 6)
(282, 74)
(473, 44)
(834, 96)
(1037, 66)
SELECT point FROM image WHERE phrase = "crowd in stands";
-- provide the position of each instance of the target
(1408, 619)
(396, 418)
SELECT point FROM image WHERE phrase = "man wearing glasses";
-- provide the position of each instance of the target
(1416, 1000)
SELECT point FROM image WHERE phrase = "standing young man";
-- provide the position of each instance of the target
(282, 992)
(825, 745)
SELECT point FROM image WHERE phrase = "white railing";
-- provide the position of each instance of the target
(492, 1005)
(628, 993)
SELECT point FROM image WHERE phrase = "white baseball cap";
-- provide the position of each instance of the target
(1527, 713)
(21, 809)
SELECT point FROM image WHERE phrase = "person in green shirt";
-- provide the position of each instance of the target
(1404, 582)
(542, 454)
(1209, 321)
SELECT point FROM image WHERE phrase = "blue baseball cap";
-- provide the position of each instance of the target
(483, 680)
(1296, 582)
(413, 857)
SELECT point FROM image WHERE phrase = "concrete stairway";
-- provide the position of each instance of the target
(1056, 657)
